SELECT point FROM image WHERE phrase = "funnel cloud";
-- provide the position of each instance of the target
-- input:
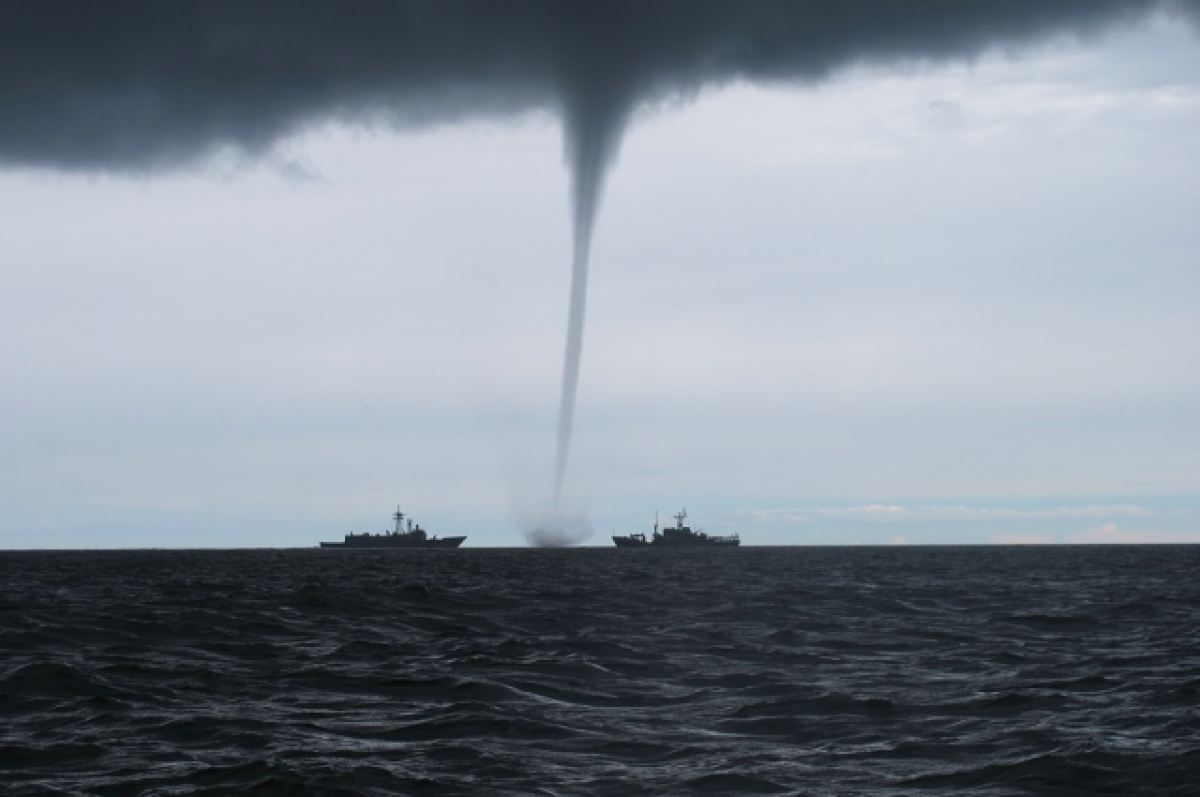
(592, 137)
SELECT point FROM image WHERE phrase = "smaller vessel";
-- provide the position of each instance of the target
(402, 537)
(680, 536)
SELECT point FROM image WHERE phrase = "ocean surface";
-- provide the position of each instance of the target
(821, 671)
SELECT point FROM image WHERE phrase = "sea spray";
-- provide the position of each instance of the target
(559, 529)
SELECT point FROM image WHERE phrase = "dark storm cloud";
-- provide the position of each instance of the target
(144, 85)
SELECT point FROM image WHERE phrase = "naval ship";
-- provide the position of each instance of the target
(680, 536)
(403, 537)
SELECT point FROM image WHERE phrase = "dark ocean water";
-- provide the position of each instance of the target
(982, 671)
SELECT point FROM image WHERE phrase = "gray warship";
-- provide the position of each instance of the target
(402, 537)
(680, 536)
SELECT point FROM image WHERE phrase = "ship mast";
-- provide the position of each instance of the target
(399, 516)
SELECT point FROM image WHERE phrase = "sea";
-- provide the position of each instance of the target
(591, 671)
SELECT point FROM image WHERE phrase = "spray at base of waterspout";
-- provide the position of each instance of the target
(560, 530)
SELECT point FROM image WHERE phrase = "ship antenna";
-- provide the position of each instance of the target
(656, 521)
(399, 516)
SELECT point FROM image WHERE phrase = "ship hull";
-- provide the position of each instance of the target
(628, 542)
(703, 544)
(396, 543)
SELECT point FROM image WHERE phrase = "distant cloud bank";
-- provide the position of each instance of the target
(885, 513)
(1108, 534)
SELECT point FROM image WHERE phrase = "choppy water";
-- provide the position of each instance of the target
(981, 671)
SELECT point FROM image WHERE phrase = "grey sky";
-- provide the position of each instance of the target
(963, 290)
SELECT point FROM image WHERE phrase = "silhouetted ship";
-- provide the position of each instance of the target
(680, 536)
(412, 537)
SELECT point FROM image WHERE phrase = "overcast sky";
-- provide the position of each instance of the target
(925, 301)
